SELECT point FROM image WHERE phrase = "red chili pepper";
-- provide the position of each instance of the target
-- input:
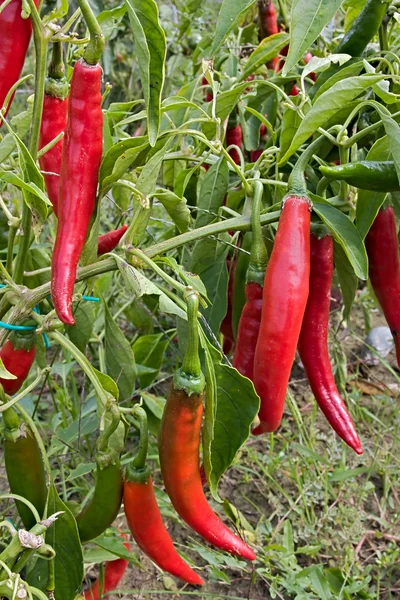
(234, 136)
(179, 442)
(114, 570)
(285, 295)
(108, 241)
(144, 517)
(15, 35)
(18, 355)
(295, 90)
(208, 95)
(255, 155)
(384, 269)
(268, 26)
(250, 320)
(313, 343)
(307, 57)
(78, 182)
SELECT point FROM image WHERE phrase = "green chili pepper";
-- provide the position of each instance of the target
(377, 176)
(363, 28)
(24, 466)
(106, 501)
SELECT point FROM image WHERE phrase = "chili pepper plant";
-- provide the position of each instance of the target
(199, 209)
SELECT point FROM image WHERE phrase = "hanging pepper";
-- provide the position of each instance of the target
(103, 508)
(363, 28)
(179, 442)
(313, 342)
(15, 35)
(285, 294)
(377, 176)
(144, 517)
(249, 324)
(108, 241)
(18, 355)
(114, 570)
(384, 269)
(81, 159)
(268, 25)
(54, 122)
(24, 467)
(234, 136)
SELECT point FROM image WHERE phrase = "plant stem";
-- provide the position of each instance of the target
(96, 44)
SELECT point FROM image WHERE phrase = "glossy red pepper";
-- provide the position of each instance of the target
(108, 241)
(18, 355)
(250, 320)
(179, 443)
(144, 517)
(15, 35)
(285, 295)
(313, 342)
(234, 136)
(268, 25)
(114, 570)
(384, 269)
(78, 182)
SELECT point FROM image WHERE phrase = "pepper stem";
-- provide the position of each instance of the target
(96, 44)
(191, 362)
(137, 470)
(104, 437)
(297, 181)
(259, 255)
(56, 67)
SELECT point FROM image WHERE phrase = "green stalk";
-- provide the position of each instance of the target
(190, 377)
(297, 180)
(41, 44)
(96, 44)
(258, 256)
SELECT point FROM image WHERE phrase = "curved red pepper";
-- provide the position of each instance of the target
(313, 343)
(18, 355)
(54, 122)
(114, 570)
(384, 269)
(149, 532)
(78, 182)
(249, 327)
(15, 35)
(108, 241)
(285, 295)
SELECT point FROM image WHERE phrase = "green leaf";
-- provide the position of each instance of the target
(229, 16)
(120, 360)
(267, 49)
(119, 158)
(212, 192)
(327, 105)
(353, 69)
(392, 129)
(176, 207)
(291, 121)
(348, 280)
(225, 104)
(345, 233)
(149, 351)
(150, 49)
(68, 564)
(308, 19)
(80, 333)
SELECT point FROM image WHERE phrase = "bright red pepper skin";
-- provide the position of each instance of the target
(78, 182)
(108, 241)
(286, 287)
(234, 136)
(313, 342)
(179, 443)
(114, 570)
(149, 532)
(268, 26)
(384, 269)
(15, 35)
(18, 355)
(54, 122)
(249, 327)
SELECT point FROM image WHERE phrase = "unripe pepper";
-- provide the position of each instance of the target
(179, 443)
(80, 165)
(377, 176)
(15, 35)
(24, 467)
(144, 517)
(384, 269)
(250, 320)
(114, 570)
(313, 343)
(105, 503)
(363, 28)
(54, 122)
(18, 355)
(108, 241)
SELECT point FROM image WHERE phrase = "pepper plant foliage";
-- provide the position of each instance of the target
(178, 81)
